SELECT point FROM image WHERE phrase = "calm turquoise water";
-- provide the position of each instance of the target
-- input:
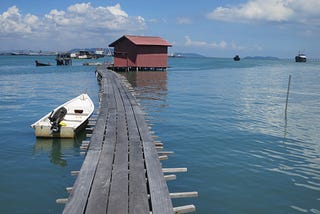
(224, 120)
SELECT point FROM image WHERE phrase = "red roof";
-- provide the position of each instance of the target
(143, 40)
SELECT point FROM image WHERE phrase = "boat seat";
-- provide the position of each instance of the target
(72, 120)
(77, 114)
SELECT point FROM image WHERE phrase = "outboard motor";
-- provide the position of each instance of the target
(56, 117)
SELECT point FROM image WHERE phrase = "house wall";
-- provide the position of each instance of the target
(127, 54)
(152, 56)
(121, 53)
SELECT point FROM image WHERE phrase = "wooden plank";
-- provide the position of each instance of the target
(183, 194)
(184, 209)
(61, 200)
(118, 199)
(78, 197)
(81, 189)
(170, 177)
(166, 170)
(159, 193)
(138, 195)
(97, 202)
(98, 132)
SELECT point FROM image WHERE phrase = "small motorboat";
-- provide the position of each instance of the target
(301, 57)
(42, 64)
(65, 120)
(236, 58)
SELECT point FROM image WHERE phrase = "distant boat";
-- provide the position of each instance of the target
(42, 64)
(236, 58)
(301, 57)
(65, 120)
(84, 55)
(175, 55)
(92, 63)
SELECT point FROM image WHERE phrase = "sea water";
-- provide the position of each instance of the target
(224, 120)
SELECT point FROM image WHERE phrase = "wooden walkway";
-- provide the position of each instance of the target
(121, 172)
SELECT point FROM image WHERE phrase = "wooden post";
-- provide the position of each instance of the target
(288, 90)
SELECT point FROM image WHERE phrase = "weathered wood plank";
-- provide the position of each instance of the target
(80, 192)
(98, 199)
(97, 202)
(138, 195)
(118, 199)
(98, 132)
(159, 193)
(184, 209)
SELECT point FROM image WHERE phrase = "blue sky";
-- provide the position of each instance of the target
(212, 28)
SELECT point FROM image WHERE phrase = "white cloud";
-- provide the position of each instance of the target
(189, 42)
(12, 22)
(222, 45)
(80, 8)
(183, 20)
(88, 17)
(116, 11)
(83, 21)
(153, 20)
(269, 10)
(31, 20)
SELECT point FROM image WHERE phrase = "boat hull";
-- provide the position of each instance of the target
(42, 64)
(300, 59)
(45, 131)
(236, 58)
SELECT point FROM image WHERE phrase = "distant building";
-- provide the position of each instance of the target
(140, 53)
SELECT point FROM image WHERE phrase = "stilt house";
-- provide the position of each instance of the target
(139, 53)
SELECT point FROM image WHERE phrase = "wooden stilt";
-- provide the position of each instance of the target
(61, 200)
(170, 177)
(75, 173)
(184, 209)
(184, 194)
(170, 170)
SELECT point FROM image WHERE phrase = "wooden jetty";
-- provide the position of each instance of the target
(121, 172)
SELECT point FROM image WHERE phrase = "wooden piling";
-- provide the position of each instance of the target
(287, 99)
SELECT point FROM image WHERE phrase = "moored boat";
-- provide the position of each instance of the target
(236, 58)
(301, 57)
(41, 64)
(65, 120)
(92, 63)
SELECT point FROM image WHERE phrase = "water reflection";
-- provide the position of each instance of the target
(149, 86)
(58, 148)
(156, 79)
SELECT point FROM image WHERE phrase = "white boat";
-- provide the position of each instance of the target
(301, 57)
(65, 120)
(92, 63)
